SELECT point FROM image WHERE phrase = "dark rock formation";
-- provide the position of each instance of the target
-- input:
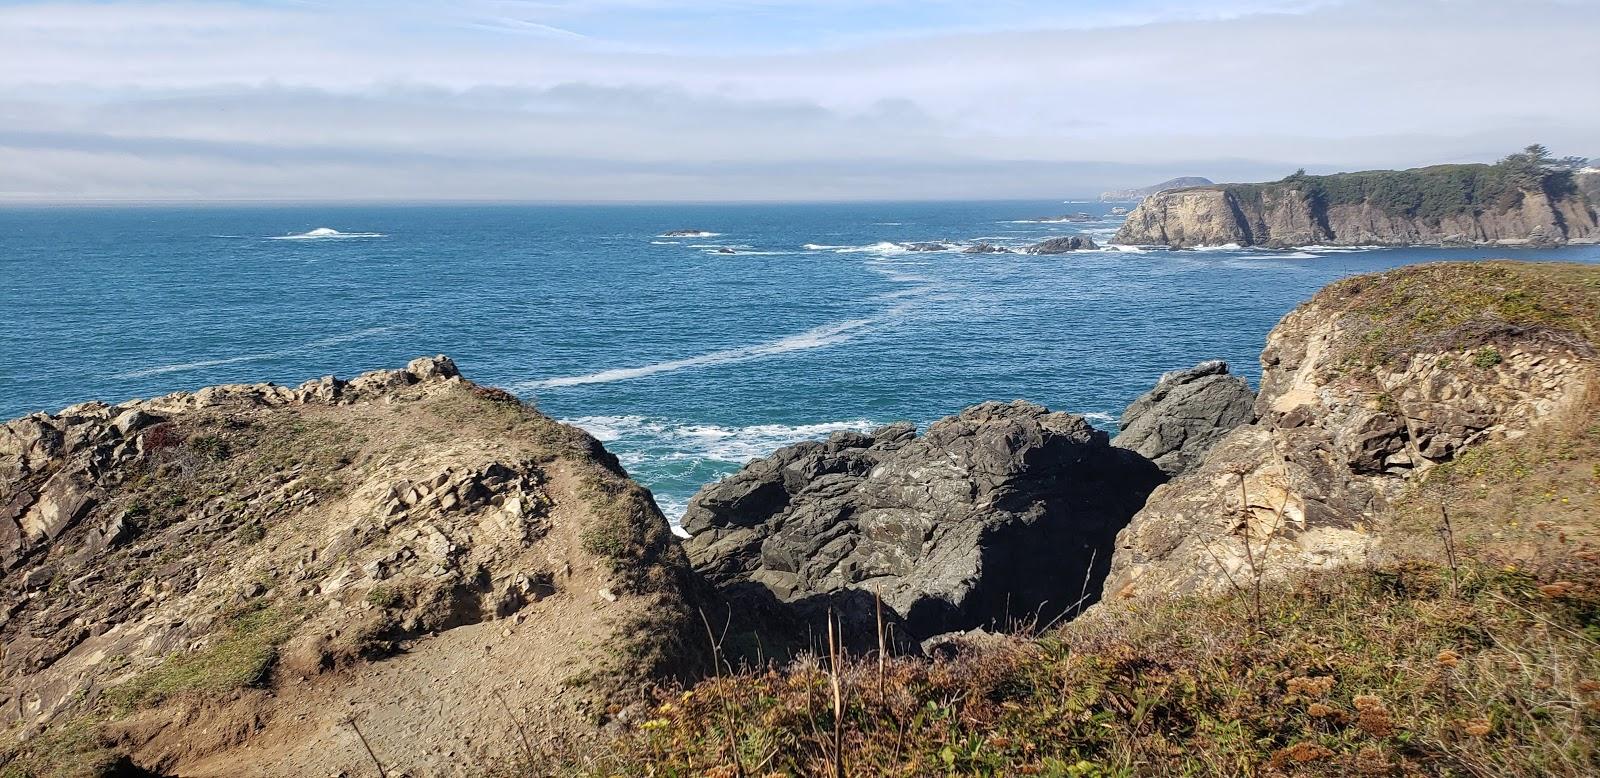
(1189, 410)
(1062, 245)
(926, 246)
(985, 248)
(1004, 513)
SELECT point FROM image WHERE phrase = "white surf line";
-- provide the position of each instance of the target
(818, 337)
(319, 343)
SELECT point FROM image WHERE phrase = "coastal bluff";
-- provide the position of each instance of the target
(1512, 203)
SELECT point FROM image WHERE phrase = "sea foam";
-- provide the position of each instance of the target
(328, 233)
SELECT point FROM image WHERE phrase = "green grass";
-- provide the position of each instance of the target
(242, 655)
(1386, 672)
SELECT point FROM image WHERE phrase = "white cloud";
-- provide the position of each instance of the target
(142, 99)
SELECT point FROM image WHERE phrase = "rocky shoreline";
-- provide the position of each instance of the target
(289, 564)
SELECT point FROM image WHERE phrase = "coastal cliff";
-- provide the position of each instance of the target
(266, 580)
(1383, 563)
(1510, 203)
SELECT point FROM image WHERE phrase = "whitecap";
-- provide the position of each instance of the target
(701, 234)
(328, 233)
(1104, 418)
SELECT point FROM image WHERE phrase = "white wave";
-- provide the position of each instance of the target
(1294, 255)
(1123, 248)
(817, 337)
(1105, 418)
(328, 233)
(701, 234)
(888, 224)
(265, 355)
(666, 243)
(655, 439)
(1339, 249)
(1223, 247)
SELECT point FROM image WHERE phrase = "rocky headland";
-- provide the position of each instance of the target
(1135, 195)
(1521, 201)
(411, 572)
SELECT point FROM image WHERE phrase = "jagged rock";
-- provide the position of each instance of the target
(1062, 245)
(1342, 431)
(926, 246)
(1185, 414)
(1002, 513)
(985, 248)
(343, 522)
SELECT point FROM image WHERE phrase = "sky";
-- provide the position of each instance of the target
(761, 100)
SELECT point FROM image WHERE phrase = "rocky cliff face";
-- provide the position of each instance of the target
(232, 581)
(1375, 381)
(1289, 214)
(1003, 512)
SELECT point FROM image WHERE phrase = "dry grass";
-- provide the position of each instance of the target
(1377, 673)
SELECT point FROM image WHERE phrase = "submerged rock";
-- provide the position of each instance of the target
(1000, 515)
(1062, 245)
(1187, 412)
(926, 246)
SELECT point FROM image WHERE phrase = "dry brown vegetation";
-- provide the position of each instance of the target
(1362, 673)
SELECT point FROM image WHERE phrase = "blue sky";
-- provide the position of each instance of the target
(767, 99)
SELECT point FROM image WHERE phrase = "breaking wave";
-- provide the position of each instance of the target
(328, 233)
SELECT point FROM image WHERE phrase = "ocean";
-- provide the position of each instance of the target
(687, 360)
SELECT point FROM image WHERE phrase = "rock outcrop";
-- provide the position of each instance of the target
(1175, 423)
(985, 248)
(218, 582)
(1384, 208)
(1003, 513)
(1063, 245)
(1374, 381)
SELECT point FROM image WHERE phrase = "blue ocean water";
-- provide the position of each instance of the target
(685, 359)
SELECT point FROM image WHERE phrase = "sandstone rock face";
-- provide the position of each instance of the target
(215, 580)
(1343, 428)
(1175, 423)
(1062, 245)
(1005, 511)
(1282, 215)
